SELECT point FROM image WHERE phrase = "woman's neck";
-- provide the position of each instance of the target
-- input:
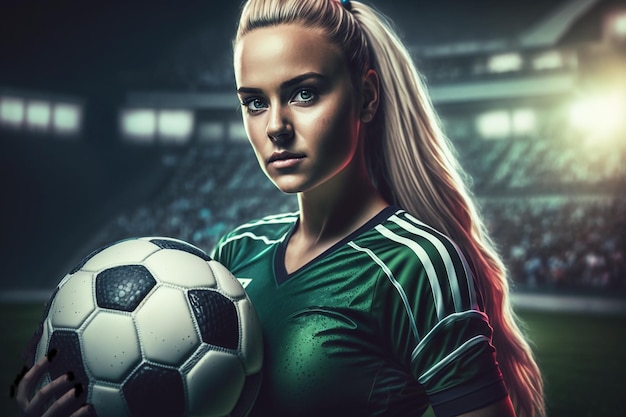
(329, 214)
(326, 221)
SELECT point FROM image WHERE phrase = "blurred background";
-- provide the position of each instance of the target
(120, 119)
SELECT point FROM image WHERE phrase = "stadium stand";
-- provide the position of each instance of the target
(550, 240)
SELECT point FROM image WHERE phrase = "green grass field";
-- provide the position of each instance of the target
(582, 358)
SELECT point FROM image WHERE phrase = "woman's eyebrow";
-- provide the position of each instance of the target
(286, 84)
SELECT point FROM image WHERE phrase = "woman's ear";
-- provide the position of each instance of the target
(370, 91)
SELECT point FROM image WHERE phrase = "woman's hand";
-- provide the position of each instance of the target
(62, 397)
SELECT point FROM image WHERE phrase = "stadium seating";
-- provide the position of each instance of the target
(557, 236)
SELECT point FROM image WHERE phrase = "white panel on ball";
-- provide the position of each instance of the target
(251, 337)
(112, 357)
(73, 302)
(108, 401)
(42, 346)
(127, 252)
(226, 281)
(167, 334)
(214, 384)
(180, 268)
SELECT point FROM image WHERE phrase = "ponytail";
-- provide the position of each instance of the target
(420, 173)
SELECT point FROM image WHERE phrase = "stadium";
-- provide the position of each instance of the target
(120, 121)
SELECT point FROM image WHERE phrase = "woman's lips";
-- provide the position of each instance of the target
(285, 159)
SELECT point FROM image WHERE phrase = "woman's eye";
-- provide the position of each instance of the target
(253, 104)
(304, 96)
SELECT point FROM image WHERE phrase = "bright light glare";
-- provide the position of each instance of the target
(38, 114)
(619, 26)
(548, 60)
(505, 62)
(139, 124)
(211, 131)
(236, 131)
(602, 115)
(524, 122)
(175, 125)
(11, 111)
(66, 118)
(495, 124)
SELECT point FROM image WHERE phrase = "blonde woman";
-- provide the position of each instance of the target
(382, 295)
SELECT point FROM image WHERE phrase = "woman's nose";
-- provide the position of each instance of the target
(279, 128)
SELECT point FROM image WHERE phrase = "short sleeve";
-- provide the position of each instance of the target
(455, 363)
(429, 310)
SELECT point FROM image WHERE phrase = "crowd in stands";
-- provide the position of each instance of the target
(571, 243)
(215, 188)
(558, 241)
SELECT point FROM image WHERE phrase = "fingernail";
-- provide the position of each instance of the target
(70, 375)
(78, 390)
(51, 354)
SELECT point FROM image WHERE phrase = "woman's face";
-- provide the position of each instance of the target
(300, 109)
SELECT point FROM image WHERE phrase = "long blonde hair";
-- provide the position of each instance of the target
(412, 163)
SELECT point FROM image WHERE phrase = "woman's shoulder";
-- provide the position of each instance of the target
(255, 234)
(422, 261)
(268, 223)
(405, 232)
(269, 227)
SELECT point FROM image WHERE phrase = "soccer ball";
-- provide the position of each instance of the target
(153, 326)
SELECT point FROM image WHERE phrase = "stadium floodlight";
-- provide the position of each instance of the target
(11, 111)
(524, 122)
(619, 25)
(211, 131)
(237, 132)
(38, 114)
(175, 125)
(138, 124)
(548, 60)
(67, 118)
(600, 115)
(507, 62)
(494, 125)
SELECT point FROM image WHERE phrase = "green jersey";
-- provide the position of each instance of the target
(384, 323)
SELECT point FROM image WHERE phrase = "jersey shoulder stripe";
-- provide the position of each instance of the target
(268, 220)
(451, 283)
(268, 230)
(426, 262)
(459, 277)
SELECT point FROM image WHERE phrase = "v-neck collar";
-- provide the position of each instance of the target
(280, 272)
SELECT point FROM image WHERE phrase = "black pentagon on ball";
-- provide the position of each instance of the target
(178, 245)
(217, 318)
(123, 287)
(155, 391)
(68, 358)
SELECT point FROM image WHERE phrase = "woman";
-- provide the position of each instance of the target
(382, 295)
(366, 303)
(335, 113)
